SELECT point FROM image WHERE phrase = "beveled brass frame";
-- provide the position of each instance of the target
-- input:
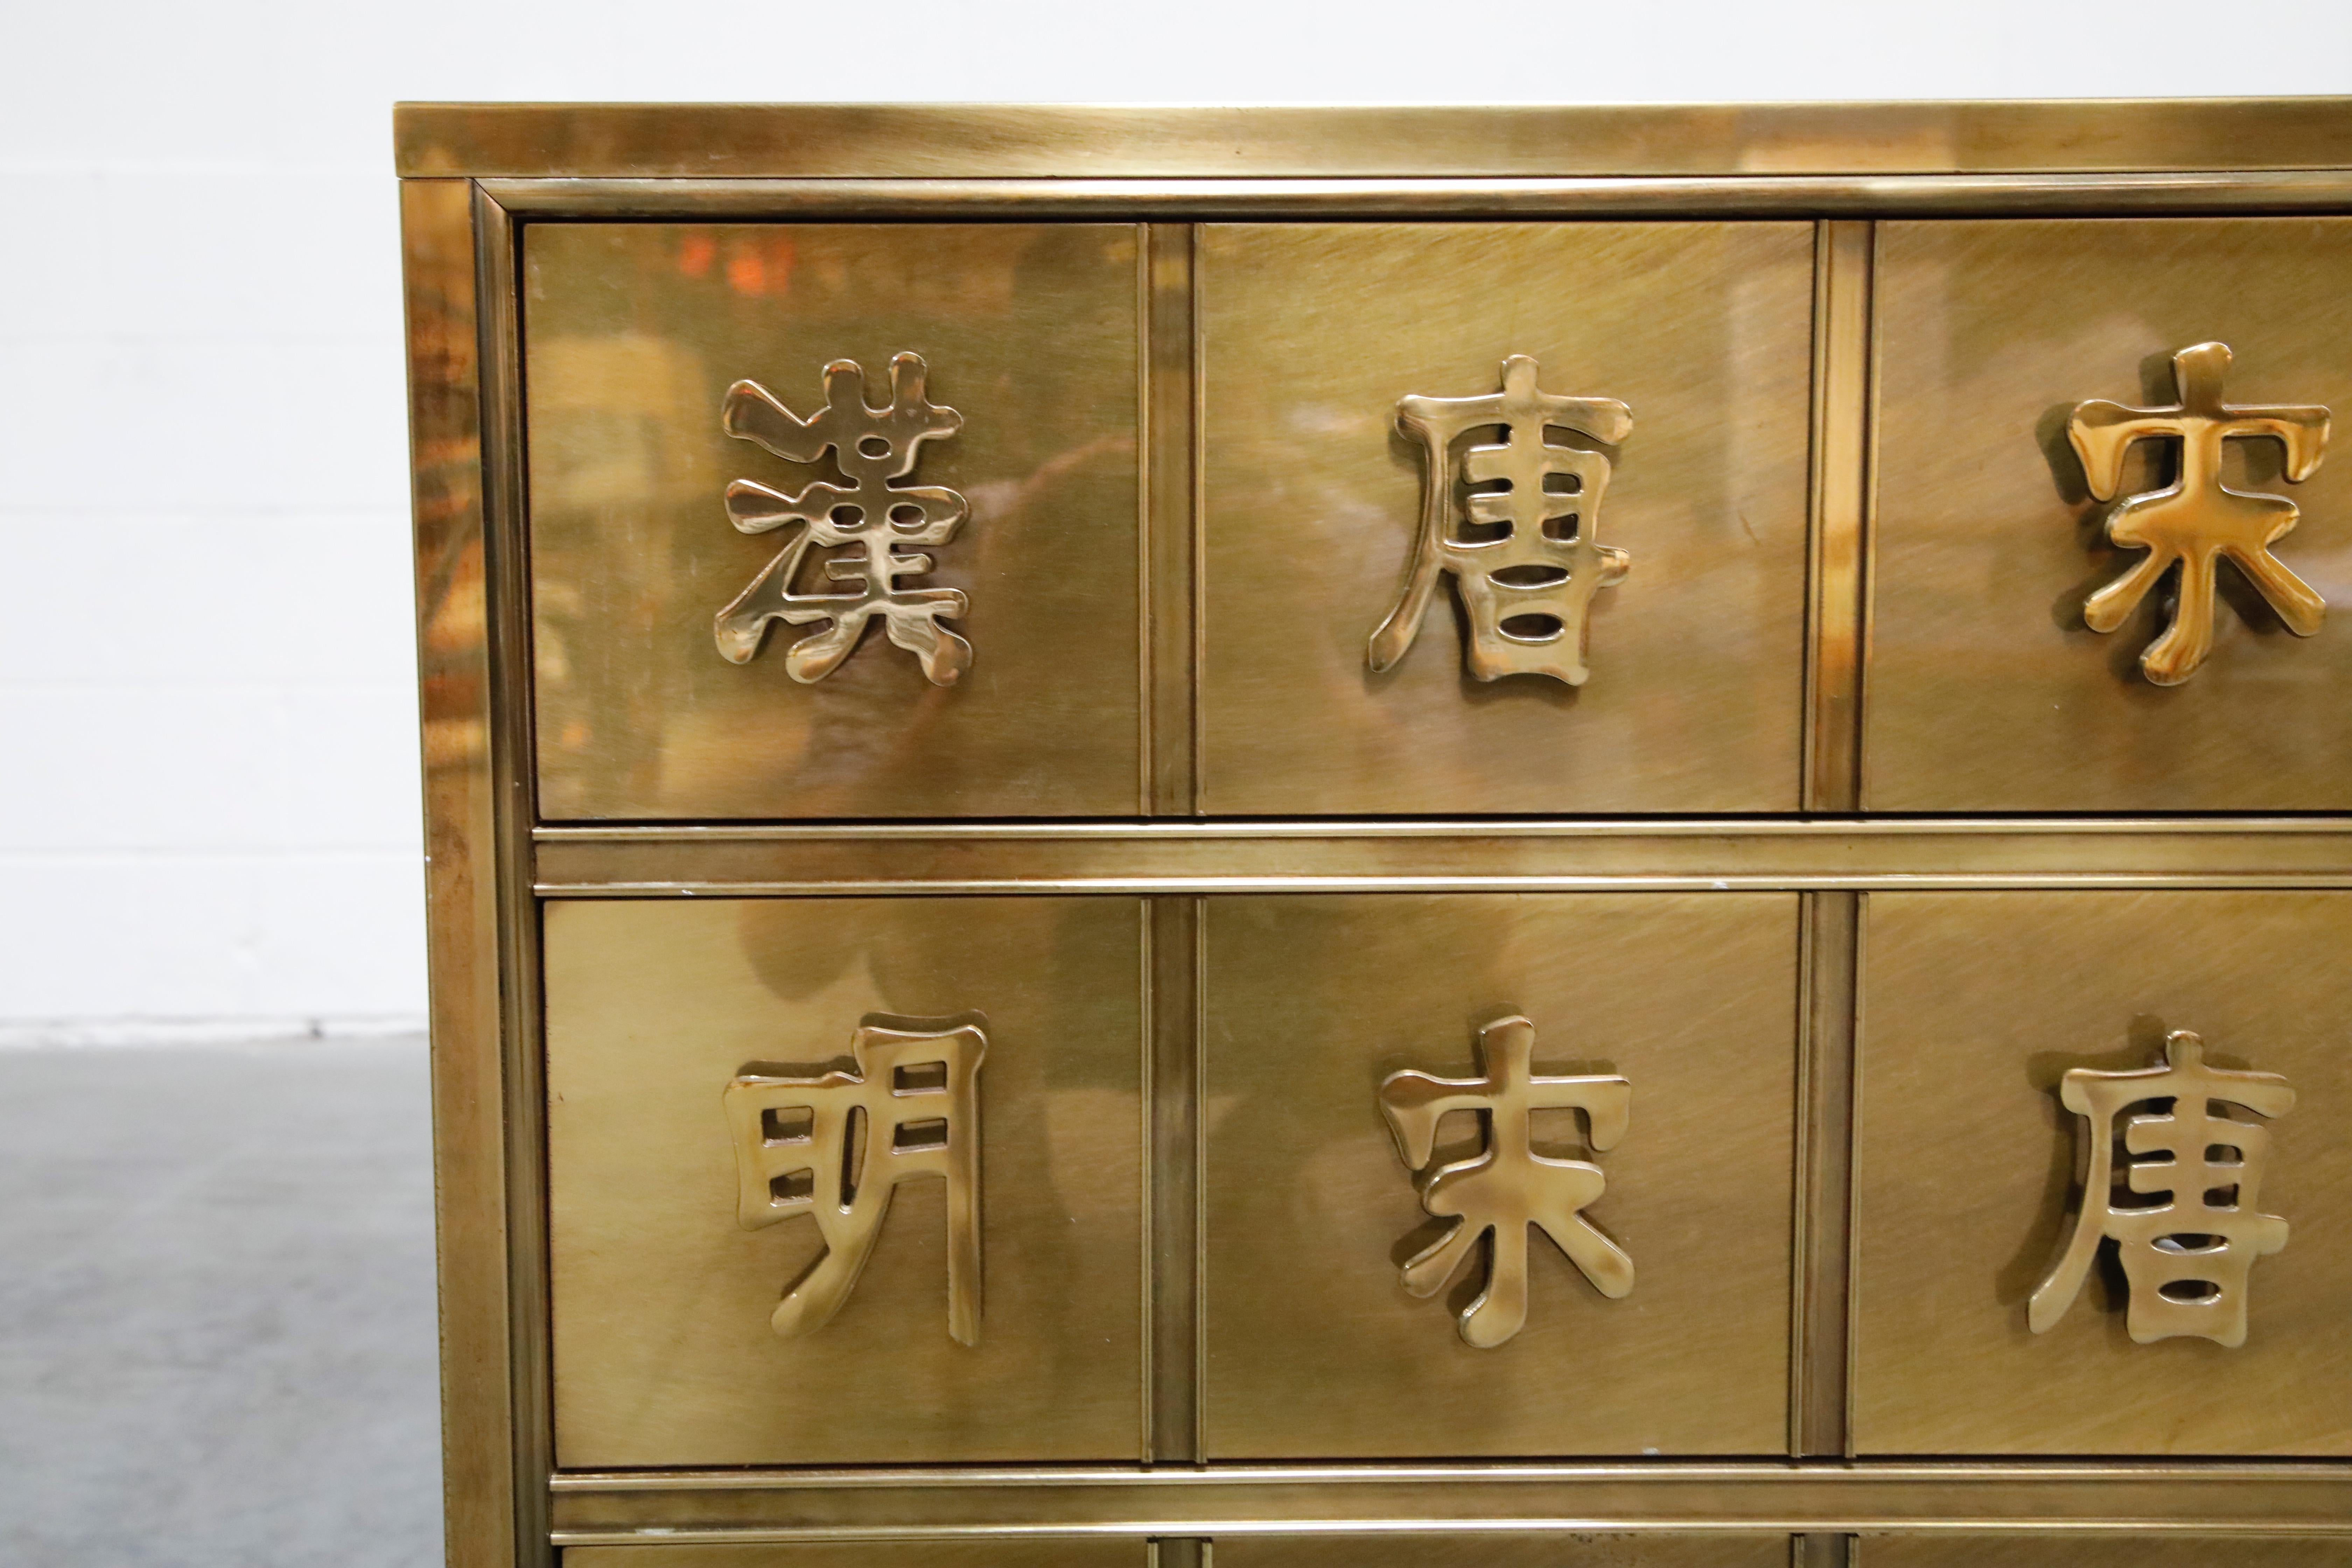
(472, 174)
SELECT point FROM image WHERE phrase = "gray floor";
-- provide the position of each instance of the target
(216, 1314)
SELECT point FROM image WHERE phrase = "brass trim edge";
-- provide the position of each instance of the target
(530, 1370)
(984, 1479)
(1199, 859)
(2177, 1499)
(1170, 498)
(1172, 1326)
(1838, 501)
(1621, 197)
(2329, 827)
(1829, 948)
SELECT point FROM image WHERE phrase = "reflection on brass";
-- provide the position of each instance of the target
(2197, 519)
(836, 1147)
(871, 516)
(1519, 542)
(2187, 1255)
(1507, 1186)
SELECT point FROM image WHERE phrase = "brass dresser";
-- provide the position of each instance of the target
(1573, 836)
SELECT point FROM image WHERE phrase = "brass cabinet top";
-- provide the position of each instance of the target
(736, 140)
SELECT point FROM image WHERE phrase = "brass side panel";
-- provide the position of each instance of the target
(1314, 1348)
(2142, 1549)
(885, 1555)
(1488, 1548)
(1986, 690)
(1311, 332)
(662, 1345)
(1974, 1006)
(633, 333)
(489, 1514)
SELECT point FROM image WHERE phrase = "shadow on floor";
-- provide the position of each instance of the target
(216, 1308)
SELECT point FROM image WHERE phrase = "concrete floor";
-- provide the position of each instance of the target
(216, 1309)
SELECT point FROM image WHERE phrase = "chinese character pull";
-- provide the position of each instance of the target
(2197, 519)
(1516, 527)
(1507, 1186)
(874, 519)
(2188, 1250)
(836, 1146)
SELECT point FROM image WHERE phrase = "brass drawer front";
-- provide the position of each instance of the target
(1975, 1006)
(2142, 1549)
(1488, 1549)
(633, 335)
(1310, 335)
(1315, 1348)
(1987, 692)
(664, 1352)
(870, 1554)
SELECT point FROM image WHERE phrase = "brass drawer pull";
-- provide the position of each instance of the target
(836, 1146)
(2187, 1258)
(1524, 557)
(871, 516)
(2197, 519)
(1507, 1186)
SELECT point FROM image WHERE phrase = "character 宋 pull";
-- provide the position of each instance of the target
(2196, 520)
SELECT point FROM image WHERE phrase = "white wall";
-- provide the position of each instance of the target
(208, 795)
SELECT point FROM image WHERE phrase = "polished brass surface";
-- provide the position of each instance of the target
(2196, 520)
(1831, 612)
(897, 1555)
(736, 140)
(1976, 1006)
(1701, 708)
(663, 1353)
(2073, 1552)
(1316, 1350)
(1582, 1549)
(871, 516)
(635, 332)
(2188, 1257)
(2083, 1499)
(856, 1136)
(1496, 1193)
(1987, 691)
(1521, 553)
(1439, 856)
